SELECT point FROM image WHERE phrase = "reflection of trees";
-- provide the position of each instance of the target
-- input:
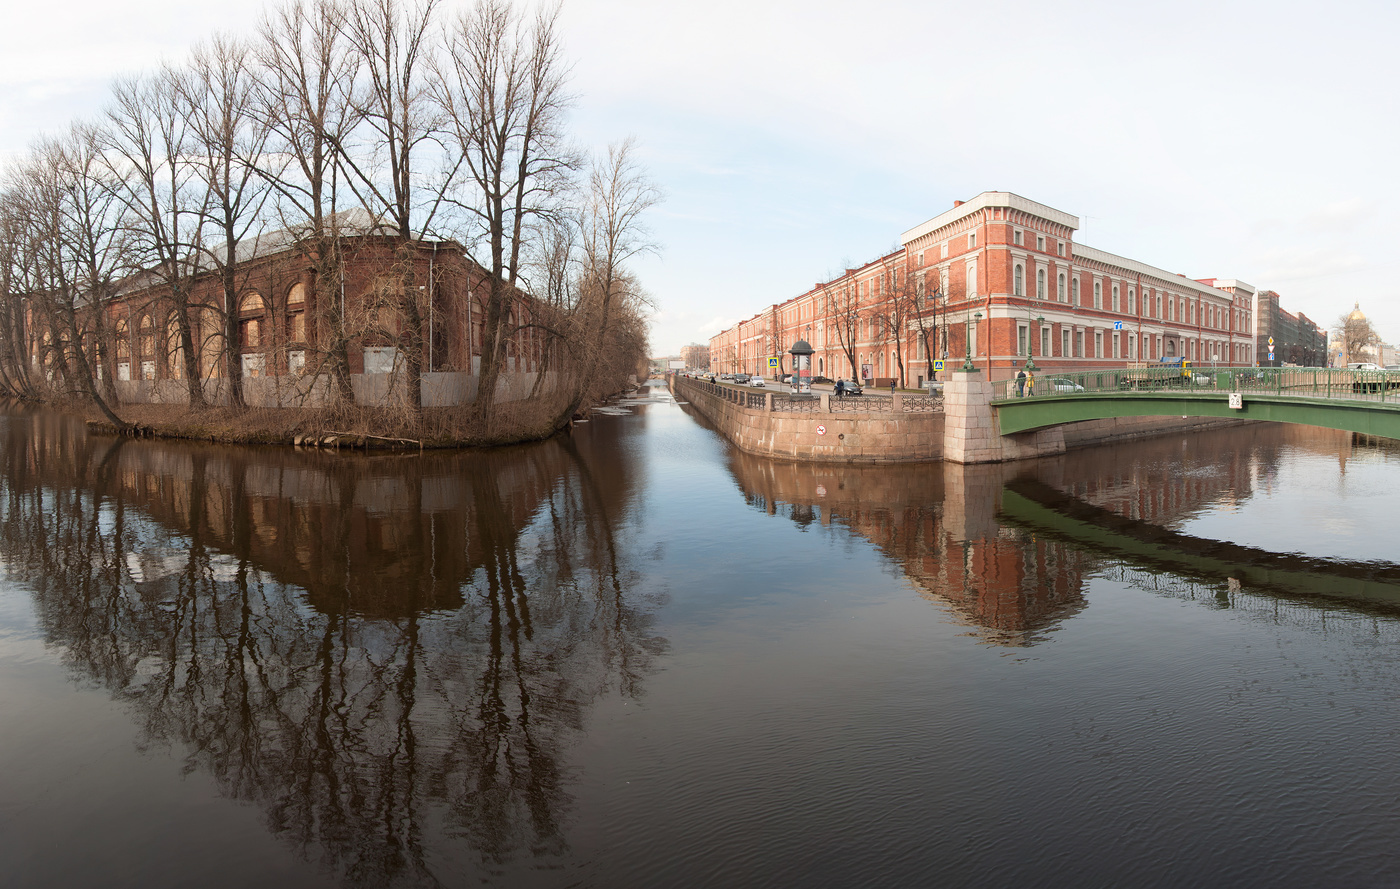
(379, 652)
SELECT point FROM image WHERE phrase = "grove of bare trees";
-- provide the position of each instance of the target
(443, 129)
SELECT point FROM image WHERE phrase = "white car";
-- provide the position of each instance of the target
(757, 381)
(1063, 385)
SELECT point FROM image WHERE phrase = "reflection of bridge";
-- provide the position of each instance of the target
(1353, 401)
(1048, 511)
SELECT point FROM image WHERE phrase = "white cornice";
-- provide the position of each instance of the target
(983, 201)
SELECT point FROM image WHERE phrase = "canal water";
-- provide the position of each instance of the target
(637, 657)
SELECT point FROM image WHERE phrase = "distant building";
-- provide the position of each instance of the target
(1040, 295)
(1284, 338)
(696, 356)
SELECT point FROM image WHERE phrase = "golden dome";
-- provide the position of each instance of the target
(1357, 314)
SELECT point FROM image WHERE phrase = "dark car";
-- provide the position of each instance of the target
(820, 380)
(740, 379)
(853, 388)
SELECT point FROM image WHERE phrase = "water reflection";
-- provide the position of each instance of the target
(1009, 548)
(379, 652)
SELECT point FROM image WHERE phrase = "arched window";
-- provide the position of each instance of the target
(1115, 297)
(1060, 294)
(1020, 282)
(146, 338)
(250, 311)
(1098, 295)
(1040, 283)
(174, 349)
(123, 338)
(1075, 292)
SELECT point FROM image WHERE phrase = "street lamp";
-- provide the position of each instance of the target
(968, 366)
(1030, 339)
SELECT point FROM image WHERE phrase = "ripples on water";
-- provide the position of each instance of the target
(637, 657)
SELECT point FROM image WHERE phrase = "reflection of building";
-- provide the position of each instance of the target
(1011, 589)
(1041, 294)
(1296, 339)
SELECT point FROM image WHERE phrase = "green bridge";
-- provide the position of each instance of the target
(1366, 401)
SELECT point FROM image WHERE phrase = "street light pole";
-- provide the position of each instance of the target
(968, 366)
(1030, 341)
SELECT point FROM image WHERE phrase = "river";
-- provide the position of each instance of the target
(638, 657)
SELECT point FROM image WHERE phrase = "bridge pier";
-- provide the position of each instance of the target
(971, 433)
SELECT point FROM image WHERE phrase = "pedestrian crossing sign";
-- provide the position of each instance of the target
(773, 363)
(938, 365)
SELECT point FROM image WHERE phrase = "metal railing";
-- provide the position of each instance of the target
(783, 400)
(1320, 382)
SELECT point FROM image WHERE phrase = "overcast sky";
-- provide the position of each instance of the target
(1232, 140)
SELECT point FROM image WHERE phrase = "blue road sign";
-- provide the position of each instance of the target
(938, 365)
(1117, 325)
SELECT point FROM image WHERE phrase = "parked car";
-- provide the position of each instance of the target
(821, 380)
(1060, 384)
(757, 382)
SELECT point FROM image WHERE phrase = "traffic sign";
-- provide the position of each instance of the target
(1271, 342)
(938, 365)
(1117, 325)
(772, 362)
(1271, 356)
(821, 430)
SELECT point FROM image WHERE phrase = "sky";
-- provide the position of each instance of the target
(1254, 141)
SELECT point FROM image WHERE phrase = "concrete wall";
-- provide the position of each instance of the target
(850, 436)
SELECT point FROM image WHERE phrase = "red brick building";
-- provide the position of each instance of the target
(1014, 261)
(284, 332)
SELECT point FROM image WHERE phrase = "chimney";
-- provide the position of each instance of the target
(957, 204)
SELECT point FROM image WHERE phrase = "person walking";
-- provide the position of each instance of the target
(840, 388)
(891, 385)
(1030, 383)
(1021, 383)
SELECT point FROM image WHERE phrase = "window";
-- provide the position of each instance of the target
(1060, 291)
(1132, 301)
(1061, 247)
(1115, 297)
(971, 284)
(1158, 313)
(1021, 336)
(972, 241)
(1064, 342)
(1098, 295)
(1075, 289)
(1040, 243)
(1016, 238)
(1040, 283)
(1079, 344)
(1115, 346)
(1044, 341)
(944, 250)
(1098, 344)
(1019, 286)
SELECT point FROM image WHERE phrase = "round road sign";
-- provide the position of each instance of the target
(821, 430)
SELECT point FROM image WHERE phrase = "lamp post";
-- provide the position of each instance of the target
(968, 366)
(1030, 339)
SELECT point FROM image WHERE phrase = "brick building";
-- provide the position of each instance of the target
(1284, 338)
(1039, 294)
(285, 333)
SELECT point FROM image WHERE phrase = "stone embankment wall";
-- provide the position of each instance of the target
(902, 428)
(871, 429)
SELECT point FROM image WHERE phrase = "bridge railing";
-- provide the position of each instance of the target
(1323, 382)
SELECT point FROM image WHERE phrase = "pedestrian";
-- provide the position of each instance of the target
(1021, 383)
(1030, 383)
(840, 388)
(891, 385)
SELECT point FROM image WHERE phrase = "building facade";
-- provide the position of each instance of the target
(999, 278)
(1282, 338)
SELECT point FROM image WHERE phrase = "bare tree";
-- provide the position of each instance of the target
(402, 123)
(217, 93)
(502, 85)
(306, 107)
(841, 306)
(147, 153)
(612, 234)
(1356, 336)
(72, 238)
